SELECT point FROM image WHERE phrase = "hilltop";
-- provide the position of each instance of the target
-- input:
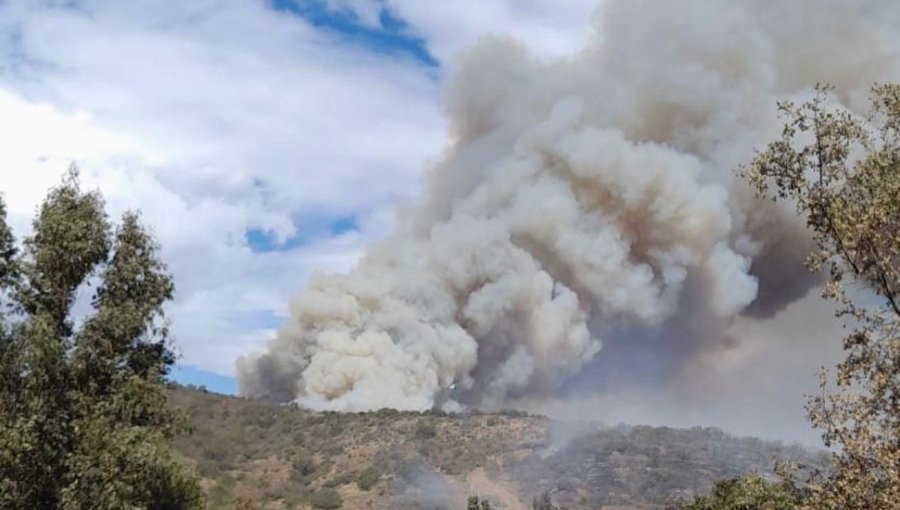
(254, 454)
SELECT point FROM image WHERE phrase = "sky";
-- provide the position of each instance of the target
(262, 140)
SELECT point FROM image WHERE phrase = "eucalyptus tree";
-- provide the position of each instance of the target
(84, 420)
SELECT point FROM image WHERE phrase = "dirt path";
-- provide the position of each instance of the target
(498, 492)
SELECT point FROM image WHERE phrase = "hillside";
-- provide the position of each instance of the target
(253, 454)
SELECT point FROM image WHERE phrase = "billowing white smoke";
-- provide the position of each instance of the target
(584, 203)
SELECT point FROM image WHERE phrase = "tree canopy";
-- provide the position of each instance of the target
(84, 420)
(751, 492)
(842, 173)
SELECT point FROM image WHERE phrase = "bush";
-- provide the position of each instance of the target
(303, 465)
(425, 430)
(326, 499)
(368, 478)
(387, 412)
(473, 504)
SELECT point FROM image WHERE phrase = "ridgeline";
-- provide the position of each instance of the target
(254, 454)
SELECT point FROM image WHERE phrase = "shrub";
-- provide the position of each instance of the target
(425, 430)
(368, 478)
(325, 499)
(304, 465)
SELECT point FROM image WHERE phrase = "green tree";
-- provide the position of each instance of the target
(842, 172)
(748, 493)
(7, 250)
(84, 420)
(473, 503)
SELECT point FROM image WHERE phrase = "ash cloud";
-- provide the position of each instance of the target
(585, 232)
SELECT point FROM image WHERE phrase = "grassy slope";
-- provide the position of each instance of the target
(254, 454)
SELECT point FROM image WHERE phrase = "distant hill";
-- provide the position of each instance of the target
(258, 455)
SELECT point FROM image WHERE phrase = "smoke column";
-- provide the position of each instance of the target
(585, 230)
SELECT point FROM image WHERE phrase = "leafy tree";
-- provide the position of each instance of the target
(84, 420)
(748, 493)
(474, 504)
(843, 174)
(7, 250)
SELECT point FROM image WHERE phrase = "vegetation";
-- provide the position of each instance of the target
(84, 421)
(368, 478)
(846, 181)
(751, 492)
(278, 456)
(326, 498)
(543, 502)
(474, 504)
(843, 175)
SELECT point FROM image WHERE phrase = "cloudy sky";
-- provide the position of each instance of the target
(262, 140)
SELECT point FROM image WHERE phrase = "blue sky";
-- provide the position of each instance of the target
(392, 37)
(262, 140)
(190, 374)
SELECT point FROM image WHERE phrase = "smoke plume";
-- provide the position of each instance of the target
(585, 231)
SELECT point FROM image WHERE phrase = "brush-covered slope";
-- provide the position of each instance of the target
(253, 454)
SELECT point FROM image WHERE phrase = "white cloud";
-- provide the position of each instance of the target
(218, 116)
(548, 29)
(213, 118)
(39, 142)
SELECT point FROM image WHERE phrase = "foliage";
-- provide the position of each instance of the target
(326, 498)
(750, 492)
(543, 502)
(842, 173)
(84, 420)
(473, 504)
(425, 430)
(7, 251)
(368, 478)
(304, 465)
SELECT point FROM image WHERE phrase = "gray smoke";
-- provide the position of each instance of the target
(586, 231)
(420, 488)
